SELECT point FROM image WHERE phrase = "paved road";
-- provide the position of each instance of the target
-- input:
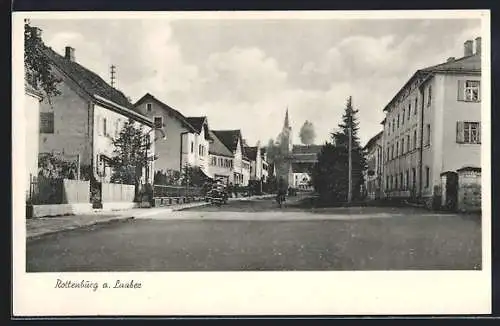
(256, 235)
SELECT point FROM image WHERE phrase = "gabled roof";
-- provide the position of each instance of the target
(468, 64)
(217, 147)
(251, 152)
(306, 149)
(197, 122)
(229, 138)
(89, 81)
(167, 108)
(301, 167)
(373, 140)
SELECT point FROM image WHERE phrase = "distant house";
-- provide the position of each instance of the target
(301, 176)
(32, 101)
(186, 139)
(258, 164)
(221, 160)
(233, 141)
(83, 120)
(373, 173)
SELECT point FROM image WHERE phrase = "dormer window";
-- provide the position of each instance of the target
(149, 107)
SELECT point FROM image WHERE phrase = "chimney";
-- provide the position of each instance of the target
(450, 59)
(70, 53)
(468, 48)
(478, 45)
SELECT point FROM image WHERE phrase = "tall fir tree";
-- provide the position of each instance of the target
(331, 173)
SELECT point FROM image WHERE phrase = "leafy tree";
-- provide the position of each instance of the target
(130, 154)
(38, 70)
(307, 133)
(168, 177)
(331, 172)
(53, 167)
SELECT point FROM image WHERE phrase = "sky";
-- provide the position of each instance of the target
(244, 74)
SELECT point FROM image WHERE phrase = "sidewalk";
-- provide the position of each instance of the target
(37, 227)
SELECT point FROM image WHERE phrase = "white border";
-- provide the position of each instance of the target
(250, 293)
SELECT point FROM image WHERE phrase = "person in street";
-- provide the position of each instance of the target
(282, 190)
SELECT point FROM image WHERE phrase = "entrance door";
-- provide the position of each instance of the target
(451, 191)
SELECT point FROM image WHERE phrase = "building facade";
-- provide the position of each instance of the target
(221, 160)
(258, 163)
(240, 169)
(433, 127)
(186, 140)
(80, 122)
(373, 173)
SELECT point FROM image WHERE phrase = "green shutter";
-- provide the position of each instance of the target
(460, 132)
(461, 90)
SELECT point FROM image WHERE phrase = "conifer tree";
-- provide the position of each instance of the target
(331, 173)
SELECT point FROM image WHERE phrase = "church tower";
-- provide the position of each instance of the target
(286, 134)
(286, 144)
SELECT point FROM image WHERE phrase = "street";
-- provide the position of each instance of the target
(256, 235)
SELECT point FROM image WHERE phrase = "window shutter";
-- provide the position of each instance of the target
(479, 91)
(461, 90)
(479, 132)
(460, 132)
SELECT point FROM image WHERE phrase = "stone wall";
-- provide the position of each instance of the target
(469, 190)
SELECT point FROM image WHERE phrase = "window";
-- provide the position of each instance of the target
(387, 182)
(409, 110)
(401, 181)
(408, 143)
(413, 177)
(428, 135)
(389, 130)
(192, 147)
(429, 96)
(468, 132)
(416, 106)
(398, 121)
(199, 150)
(148, 107)
(46, 122)
(403, 117)
(469, 90)
(402, 146)
(104, 126)
(158, 122)
(393, 124)
(414, 139)
(117, 127)
(396, 182)
(397, 149)
(427, 176)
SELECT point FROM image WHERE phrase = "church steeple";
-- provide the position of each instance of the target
(287, 123)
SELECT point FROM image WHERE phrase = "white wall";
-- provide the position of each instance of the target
(103, 143)
(32, 119)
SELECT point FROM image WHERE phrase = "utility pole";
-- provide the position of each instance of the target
(113, 72)
(349, 121)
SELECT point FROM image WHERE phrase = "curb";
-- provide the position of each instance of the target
(72, 228)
